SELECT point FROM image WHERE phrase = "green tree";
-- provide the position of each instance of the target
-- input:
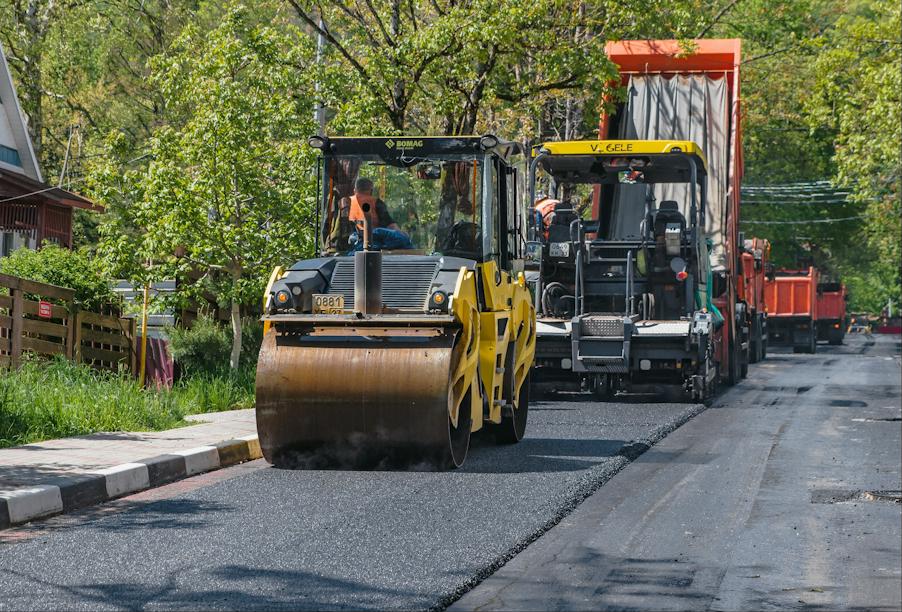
(227, 192)
(858, 94)
(25, 26)
(820, 101)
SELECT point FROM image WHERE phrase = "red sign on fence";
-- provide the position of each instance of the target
(45, 310)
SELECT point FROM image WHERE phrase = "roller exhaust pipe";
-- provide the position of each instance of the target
(367, 272)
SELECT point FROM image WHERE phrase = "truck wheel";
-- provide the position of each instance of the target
(711, 391)
(734, 372)
(760, 340)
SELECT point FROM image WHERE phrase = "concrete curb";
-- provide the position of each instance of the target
(69, 493)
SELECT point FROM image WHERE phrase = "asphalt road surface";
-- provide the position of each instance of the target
(756, 502)
(759, 503)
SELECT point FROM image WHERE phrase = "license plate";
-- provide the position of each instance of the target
(324, 303)
(559, 249)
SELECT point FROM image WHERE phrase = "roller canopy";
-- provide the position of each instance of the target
(601, 161)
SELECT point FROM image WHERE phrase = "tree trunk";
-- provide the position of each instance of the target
(236, 335)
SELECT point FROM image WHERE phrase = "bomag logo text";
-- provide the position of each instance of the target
(612, 147)
(404, 144)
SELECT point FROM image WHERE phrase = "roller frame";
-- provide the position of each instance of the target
(477, 351)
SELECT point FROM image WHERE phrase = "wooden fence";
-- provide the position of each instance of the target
(31, 322)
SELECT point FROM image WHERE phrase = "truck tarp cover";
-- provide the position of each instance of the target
(683, 107)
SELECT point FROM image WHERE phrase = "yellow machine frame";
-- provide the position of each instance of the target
(508, 323)
(622, 147)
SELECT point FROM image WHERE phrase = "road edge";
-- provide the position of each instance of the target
(68, 493)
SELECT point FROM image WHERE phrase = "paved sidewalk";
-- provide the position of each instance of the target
(60, 475)
(34, 464)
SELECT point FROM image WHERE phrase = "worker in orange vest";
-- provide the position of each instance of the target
(378, 211)
(544, 207)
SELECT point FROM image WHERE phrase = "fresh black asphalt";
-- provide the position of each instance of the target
(280, 539)
(760, 503)
(255, 537)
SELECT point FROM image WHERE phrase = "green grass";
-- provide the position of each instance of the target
(45, 400)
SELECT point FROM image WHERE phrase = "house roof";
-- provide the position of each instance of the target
(15, 186)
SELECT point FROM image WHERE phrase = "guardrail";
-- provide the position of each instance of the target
(43, 319)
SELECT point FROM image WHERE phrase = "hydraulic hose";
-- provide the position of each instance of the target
(709, 304)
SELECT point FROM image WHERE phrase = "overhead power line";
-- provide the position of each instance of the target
(793, 185)
(804, 222)
(809, 195)
(747, 202)
(25, 195)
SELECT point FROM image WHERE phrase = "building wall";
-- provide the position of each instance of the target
(16, 150)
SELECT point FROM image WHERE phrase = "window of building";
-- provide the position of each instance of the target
(10, 156)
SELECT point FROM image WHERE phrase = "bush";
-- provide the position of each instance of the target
(44, 400)
(55, 265)
(205, 348)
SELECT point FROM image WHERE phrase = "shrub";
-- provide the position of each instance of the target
(55, 265)
(205, 348)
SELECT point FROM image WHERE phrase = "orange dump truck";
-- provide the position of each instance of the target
(792, 314)
(752, 280)
(831, 312)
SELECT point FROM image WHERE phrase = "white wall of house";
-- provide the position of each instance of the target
(16, 150)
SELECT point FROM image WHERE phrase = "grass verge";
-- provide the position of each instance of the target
(56, 399)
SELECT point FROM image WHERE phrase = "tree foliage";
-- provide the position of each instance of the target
(226, 193)
(858, 94)
(144, 100)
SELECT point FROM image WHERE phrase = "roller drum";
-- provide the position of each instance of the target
(356, 399)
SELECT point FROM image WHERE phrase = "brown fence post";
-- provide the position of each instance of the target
(70, 333)
(132, 337)
(76, 356)
(16, 331)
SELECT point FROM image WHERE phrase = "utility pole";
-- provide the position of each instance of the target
(320, 112)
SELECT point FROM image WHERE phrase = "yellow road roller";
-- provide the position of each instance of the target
(414, 327)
